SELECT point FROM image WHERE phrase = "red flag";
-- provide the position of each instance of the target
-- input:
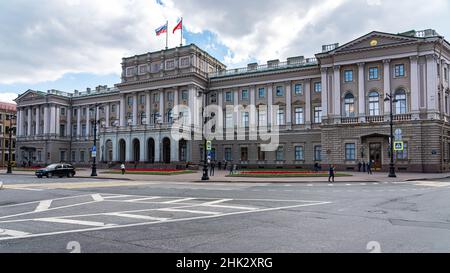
(179, 26)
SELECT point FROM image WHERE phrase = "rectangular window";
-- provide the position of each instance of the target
(318, 114)
(184, 95)
(228, 154)
(170, 64)
(184, 61)
(280, 117)
(348, 75)
(62, 156)
(262, 117)
(244, 94)
(298, 115)
(130, 101)
(299, 155)
(83, 130)
(244, 154)
(143, 69)
(63, 111)
(39, 156)
(317, 87)
(279, 91)
(350, 151)
(261, 93)
(399, 70)
(156, 67)
(130, 71)
(261, 154)
(403, 155)
(298, 89)
(374, 73)
(279, 153)
(113, 108)
(155, 97)
(82, 156)
(170, 96)
(228, 97)
(74, 156)
(318, 153)
(229, 120)
(62, 130)
(84, 112)
(245, 119)
(142, 99)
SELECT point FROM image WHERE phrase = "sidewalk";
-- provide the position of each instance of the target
(220, 176)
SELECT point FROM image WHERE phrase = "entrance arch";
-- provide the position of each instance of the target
(151, 150)
(108, 151)
(166, 150)
(182, 150)
(122, 150)
(136, 150)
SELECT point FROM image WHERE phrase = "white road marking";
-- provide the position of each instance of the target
(117, 196)
(25, 189)
(32, 202)
(348, 184)
(330, 184)
(13, 233)
(43, 205)
(230, 207)
(178, 201)
(97, 197)
(363, 184)
(310, 185)
(73, 222)
(216, 202)
(168, 221)
(191, 211)
(143, 199)
(135, 216)
(1, 185)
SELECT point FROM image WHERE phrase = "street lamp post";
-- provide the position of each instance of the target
(391, 100)
(205, 152)
(94, 161)
(9, 169)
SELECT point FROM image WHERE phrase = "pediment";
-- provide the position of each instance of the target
(375, 40)
(30, 95)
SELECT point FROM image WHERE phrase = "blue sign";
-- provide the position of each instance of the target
(94, 148)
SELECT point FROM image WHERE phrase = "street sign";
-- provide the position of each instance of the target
(94, 151)
(398, 146)
(208, 145)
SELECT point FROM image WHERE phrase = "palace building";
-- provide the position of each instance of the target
(329, 109)
(7, 121)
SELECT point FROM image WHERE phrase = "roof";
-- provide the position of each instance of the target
(7, 106)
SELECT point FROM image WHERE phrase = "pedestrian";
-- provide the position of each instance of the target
(331, 174)
(364, 166)
(369, 167)
(219, 165)
(359, 166)
(225, 165)
(122, 168)
(231, 169)
(212, 166)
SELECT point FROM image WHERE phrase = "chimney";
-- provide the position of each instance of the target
(252, 66)
(273, 63)
(295, 60)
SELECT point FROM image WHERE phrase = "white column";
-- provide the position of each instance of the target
(147, 107)
(69, 122)
(253, 121)
(122, 111)
(237, 115)
(324, 84)
(192, 99)
(53, 120)
(432, 84)
(161, 106)
(174, 151)
(387, 84)
(269, 105)
(78, 122)
(29, 121)
(158, 148)
(361, 91)
(135, 109)
(88, 121)
(46, 120)
(307, 87)
(19, 122)
(288, 104)
(175, 100)
(337, 91)
(107, 116)
(414, 85)
(38, 117)
(57, 120)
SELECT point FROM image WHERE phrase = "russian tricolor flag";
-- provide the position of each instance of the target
(161, 30)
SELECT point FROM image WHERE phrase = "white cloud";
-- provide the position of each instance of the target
(8, 97)
(42, 40)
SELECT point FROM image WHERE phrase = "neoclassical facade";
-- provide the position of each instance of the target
(329, 109)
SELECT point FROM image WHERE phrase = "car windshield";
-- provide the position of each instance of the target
(51, 167)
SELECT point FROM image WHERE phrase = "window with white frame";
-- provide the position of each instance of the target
(170, 96)
(399, 70)
(348, 75)
(299, 115)
(170, 64)
(244, 94)
(299, 153)
(350, 151)
(298, 89)
(318, 153)
(374, 73)
(142, 99)
(143, 118)
(349, 105)
(279, 91)
(142, 69)
(374, 104)
(261, 93)
(156, 67)
(229, 120)
(318, 114)
(280, 117)
(262, 117)
(279, 153)
(130, 71)
(400, 105)
(155, 97)
(317, 87)
(130, 101)
(245, 119)
(228, 97)
(184, 61)
(184, 95)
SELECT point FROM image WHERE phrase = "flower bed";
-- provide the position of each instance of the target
(150, 171)
(284, 173)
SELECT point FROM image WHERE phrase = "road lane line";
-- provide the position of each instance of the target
(24, 189)
(73, 222)
(216, 202)
(143, 199)
(177, 201)
(135, 216)
(98, 197)
(191, 211)
(13, 233)
(230, 207)
(43, 205)
(117, 196)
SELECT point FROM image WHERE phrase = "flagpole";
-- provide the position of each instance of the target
(167, 35)
(181, 42)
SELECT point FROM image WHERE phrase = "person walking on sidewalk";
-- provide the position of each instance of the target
(331, 174)
(122, 168)
(212, 166)
(369, 167)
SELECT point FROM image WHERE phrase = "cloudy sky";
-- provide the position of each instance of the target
(74, 44)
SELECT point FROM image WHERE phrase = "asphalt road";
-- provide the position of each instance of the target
(122, 216)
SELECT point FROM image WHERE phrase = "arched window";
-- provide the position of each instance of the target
(374, 104)
(400, 105)
(349, 105)
(143, 118)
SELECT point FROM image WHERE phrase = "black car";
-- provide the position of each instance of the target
(59, 170)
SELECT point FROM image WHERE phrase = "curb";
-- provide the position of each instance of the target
(284, 182)
(104, 178)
